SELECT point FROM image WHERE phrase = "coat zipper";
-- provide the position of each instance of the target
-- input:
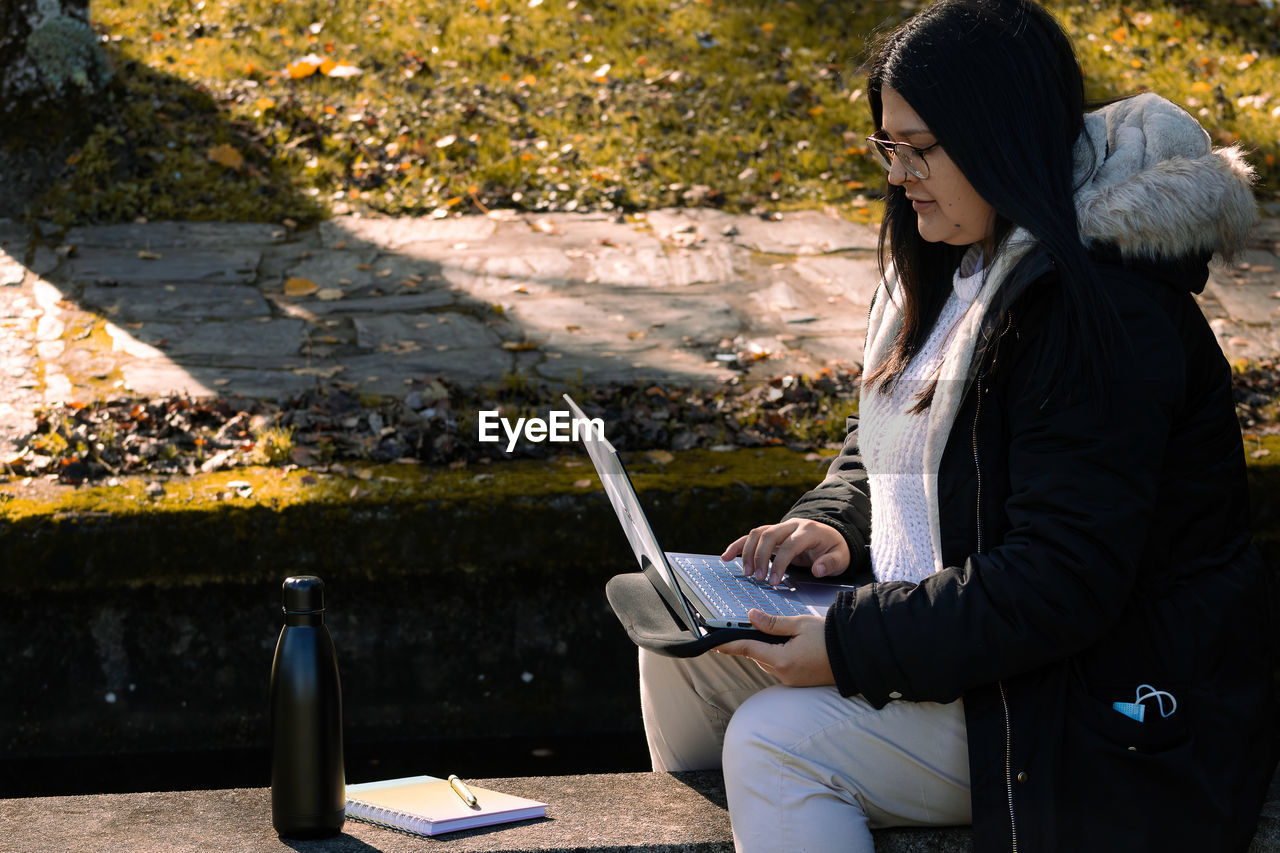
(1008, 766)
(976, 467)
(1004, 701)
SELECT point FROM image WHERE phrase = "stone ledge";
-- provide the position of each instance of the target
(656, 812)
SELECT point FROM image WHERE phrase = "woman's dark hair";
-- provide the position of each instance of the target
(999, 86)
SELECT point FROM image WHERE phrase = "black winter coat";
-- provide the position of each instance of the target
(1089, 549)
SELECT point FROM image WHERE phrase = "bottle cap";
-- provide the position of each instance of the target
(303, 594)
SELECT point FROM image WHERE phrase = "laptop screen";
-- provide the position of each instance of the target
(627, 507)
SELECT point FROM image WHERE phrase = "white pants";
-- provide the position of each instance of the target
(805, 769)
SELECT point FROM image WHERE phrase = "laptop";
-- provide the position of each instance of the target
(703, 590)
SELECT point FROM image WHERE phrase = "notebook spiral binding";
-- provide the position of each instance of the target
(386, 818)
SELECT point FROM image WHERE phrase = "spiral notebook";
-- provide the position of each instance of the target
(427, 805)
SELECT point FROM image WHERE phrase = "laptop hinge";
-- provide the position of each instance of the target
(667, 594)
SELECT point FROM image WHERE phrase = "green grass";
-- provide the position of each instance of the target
(563, 105)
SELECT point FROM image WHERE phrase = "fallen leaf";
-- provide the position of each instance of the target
(300, 287)
(329, 294)
(662, 457)
(519, 346)
(144, 255)
(305, 66)
(226, 155)
(581, 484)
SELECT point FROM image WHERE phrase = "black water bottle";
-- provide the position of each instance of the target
(308, 784)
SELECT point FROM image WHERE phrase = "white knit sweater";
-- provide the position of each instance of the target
(892, 440)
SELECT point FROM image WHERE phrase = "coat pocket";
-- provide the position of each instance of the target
(1092, 708)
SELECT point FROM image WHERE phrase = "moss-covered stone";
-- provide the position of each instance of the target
(66, 54)
(233, 525)
(454, 596)
(238, 525)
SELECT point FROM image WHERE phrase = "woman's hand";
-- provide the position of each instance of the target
(800, 540)
(799, 662)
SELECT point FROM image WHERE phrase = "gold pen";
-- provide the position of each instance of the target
(463, 792)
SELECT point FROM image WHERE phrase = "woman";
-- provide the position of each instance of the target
(1063, 643)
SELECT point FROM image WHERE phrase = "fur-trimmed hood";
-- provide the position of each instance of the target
(1152, 185)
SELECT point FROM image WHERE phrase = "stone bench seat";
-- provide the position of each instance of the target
(658, 812)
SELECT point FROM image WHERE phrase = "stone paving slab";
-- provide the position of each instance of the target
(652, 364)
(391, 374)
(626, 324)
(12, 234)
(494, 274)
(260, 344)
(12, 270)
(852, 276)
(573, 231)
(691, 296)
(436, 332)
(105, 265)
(681, 225)
(417, 300)
(158, 301)
(1267, 235)
(186, 236)
(1248, 301)
(155, 378)
(808, 232)
(395, 234)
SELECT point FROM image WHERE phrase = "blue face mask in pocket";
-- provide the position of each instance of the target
(1135, 710)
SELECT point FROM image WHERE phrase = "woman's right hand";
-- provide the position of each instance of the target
(800, 540)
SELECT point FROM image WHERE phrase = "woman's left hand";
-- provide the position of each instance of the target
(799, 662)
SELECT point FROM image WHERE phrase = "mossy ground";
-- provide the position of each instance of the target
(563, 104)
(283, 488)
(387, 520)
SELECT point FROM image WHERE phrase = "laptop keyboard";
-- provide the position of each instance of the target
(723, 585)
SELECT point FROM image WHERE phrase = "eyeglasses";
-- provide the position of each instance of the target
(912, 157)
